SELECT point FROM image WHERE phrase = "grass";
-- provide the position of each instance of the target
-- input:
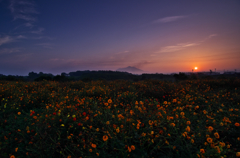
(198, 118)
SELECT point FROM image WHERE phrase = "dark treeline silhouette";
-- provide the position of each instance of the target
(87, 76)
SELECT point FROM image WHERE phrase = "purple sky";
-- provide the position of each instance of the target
(155, 36)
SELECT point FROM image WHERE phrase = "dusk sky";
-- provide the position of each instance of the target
(54, 36)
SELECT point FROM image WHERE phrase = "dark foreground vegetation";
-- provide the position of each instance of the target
(151, 118)
(88, 76)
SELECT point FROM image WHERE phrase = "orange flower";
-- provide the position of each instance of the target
(192, 140)
(12, 156)
(97, 154)
(132, 147)
(182, 113)
(109, 101)
(117, 130)
(237, 124)
(105, 138)
(19, 113)
(188, 122)
(222, 144)
(69, 156)
(131, 112)
(210, 128)
(209, 140)
(16, 149)
(129, 149)
(94, 145)
(202, 151)
(107, 122)
(90, 150)
(216, 135)
(188, 129)
(238, 154)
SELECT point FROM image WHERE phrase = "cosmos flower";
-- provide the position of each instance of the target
(105, 138)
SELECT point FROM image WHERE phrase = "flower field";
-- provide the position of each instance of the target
(197, 118)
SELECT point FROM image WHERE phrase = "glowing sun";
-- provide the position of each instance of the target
(196, 68)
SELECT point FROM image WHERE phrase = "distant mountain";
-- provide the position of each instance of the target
(131, 69)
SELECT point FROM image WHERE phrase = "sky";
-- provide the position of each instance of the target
(156, 36)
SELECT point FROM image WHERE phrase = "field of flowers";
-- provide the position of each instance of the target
(198, 118)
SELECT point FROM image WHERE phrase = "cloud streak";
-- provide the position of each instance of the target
(168, 19)
(39, 31)
(22, 9)
(181, 46)
(10, 50)
(6, 39)
(45, 45)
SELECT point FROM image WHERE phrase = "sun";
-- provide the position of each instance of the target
(196, 68)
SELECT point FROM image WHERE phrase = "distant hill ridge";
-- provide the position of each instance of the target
(130, 69)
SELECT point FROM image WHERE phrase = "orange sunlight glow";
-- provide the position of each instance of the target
(196, 68)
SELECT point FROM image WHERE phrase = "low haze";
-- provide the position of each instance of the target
(154, 36)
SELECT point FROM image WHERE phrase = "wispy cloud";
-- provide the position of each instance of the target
(6, 39)
(10, 50)
(45, 45)
(23, 9)
(177, 47)
(168, 19)
(21, 37)
(28, 24)
(38, 31)
(126, 51)
(181, 46)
